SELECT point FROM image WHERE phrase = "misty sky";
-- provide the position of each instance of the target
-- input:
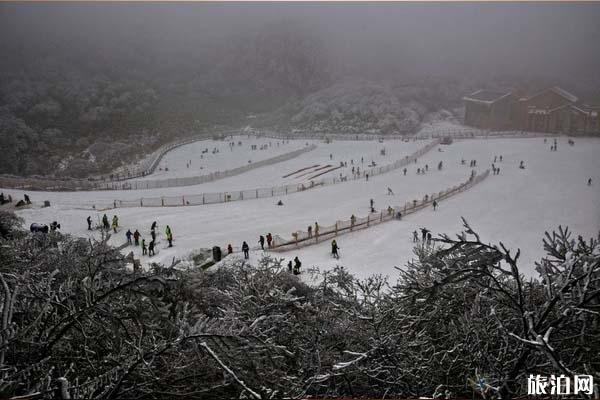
(407, 38)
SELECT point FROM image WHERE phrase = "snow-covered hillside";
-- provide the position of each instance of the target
(516, 206)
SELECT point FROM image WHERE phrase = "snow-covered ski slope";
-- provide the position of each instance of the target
(516, 206)
(206, 156)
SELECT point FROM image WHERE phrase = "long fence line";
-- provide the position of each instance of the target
(275, 191)
(35, 183)
(469, 133)
(319, 234)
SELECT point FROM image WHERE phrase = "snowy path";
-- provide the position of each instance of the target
(515, 206)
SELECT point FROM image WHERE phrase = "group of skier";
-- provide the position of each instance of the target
(261, 241)
(106, 225)
(133, 238)
(426, 237)
(4, 199)
(295, 266)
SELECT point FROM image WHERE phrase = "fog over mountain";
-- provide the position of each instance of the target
(137, 75)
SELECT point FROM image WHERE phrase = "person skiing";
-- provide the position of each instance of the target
(372, 203)
(289, 265)
(310, 231)
(590, 182)
(269, 240)
(352, 220)
(245, 249)
(144, 248)
(151, 248)
(115, 223)
(390, 192)
(435, 204)
(316, 229)
(334, 250)
(261, 240)
(367, 177)
(415, 236)
(297, 265)
(89, 222)
(229, 249)
(169, 234)
(522, 165)
(128, 235)
(136, 237)
(105, 222)
(440, 165)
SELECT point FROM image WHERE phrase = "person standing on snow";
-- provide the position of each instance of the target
(424, 232)
(404, 170)
(128, 236)
(590, 182)
(297, 265)
(245, 249)
(151, 249)
(144, 248)
(435, 204)
(310, 231)
(115, 223)
(261, 240)
(105, 222)
(334, 250)
(229, 249)
(415, 237)
(428, 238)
(89, 222)
(289, 265)
(136, 237)
(269, 240)
(169, 234)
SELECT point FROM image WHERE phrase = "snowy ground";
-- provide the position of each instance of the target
(206, 156)
(517, 206)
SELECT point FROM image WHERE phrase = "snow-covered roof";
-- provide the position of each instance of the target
(486, 96)
(559, 91)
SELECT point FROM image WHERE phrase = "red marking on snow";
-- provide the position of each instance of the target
(325, 172)
(300, 170)
(313, 171)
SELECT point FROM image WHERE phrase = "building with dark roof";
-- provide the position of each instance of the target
(489, 109)
(551, 110)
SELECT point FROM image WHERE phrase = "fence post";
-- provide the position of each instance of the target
(183, 200)
(336, 228)
(141, 202)
(162, 201)
(203, 199)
